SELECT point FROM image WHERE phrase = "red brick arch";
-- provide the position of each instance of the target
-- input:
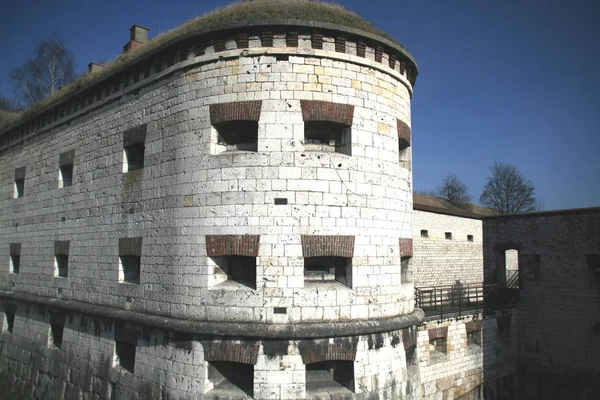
(232, 245)
(327, 245)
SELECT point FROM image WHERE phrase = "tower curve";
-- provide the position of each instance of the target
(234, 196)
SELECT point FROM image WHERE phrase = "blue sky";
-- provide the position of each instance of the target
(515, 81)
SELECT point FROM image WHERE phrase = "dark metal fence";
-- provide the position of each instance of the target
(460, 299)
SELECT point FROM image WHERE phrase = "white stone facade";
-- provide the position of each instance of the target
(133, 228)
(448, 249)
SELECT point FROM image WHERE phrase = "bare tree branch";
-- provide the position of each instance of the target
(507, 190)
(51, 67)
(454, 190)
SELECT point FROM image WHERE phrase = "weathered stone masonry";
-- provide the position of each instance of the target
(167, 220)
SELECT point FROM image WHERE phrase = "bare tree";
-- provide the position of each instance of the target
(42, 76)
(508, 191)
(454, 190)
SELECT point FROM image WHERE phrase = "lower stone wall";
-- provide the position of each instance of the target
(83, 362)
(467, 369)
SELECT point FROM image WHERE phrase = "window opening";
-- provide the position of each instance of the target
(239, 269)
(327, 136)
(329, 377)
(448, 235)
(424, 233)
(322, 269)
(231, 379)
(65, 176)
(238, 135)
(130, 268)
(19, 187)
(61, 265)
(134, 157)
(125, 355)
(9, 320)
(470, 238)
(56, 335)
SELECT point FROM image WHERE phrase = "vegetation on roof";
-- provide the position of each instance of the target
(235, 13)
(6, 117)
(445, 205)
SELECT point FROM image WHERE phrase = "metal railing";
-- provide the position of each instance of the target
(457, 300)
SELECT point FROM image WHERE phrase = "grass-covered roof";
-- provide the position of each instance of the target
(245, 12)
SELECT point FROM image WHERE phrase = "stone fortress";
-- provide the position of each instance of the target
(227, 212)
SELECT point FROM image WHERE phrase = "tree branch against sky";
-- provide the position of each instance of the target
(40, 77)
(454, 190)
(507, 190)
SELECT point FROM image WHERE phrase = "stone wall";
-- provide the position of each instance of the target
(187, 192)
(442, 261)
(559, 303)
(473, 361)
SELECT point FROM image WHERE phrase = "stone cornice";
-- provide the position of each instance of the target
(292, 330)
(176, 50)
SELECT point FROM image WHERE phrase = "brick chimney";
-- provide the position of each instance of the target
(138, 36)
(95, 67)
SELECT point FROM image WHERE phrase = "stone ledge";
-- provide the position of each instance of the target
(308, 330)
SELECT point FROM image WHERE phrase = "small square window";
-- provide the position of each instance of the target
(470, 238)
(61, 265)
(125, 355)
(424, 233)
(448, 235)
(240, 269)
(130, 269)
(474, 338)
(9, 321)
(19, 188)
(56, 335)
(65, 175)
(134, 157)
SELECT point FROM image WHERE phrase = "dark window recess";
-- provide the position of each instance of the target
(406, 273)
(319, 269)
(62, 265)
(15, 263)
(474, 338)
(240, 269)
(134, 156)
(281, 201)
(130, 266)
(327, 136)
(56, 331)
(125, 353)
(19, 187)
(282, 57)
(225, 374)
(329, 376)
(238, 135)
(439, 344)
(470, 238)
(448, 235)
(424, 233)
(279, 310)
(10, 321)
(66, 175)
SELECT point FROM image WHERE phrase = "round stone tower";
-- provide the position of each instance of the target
(263, 207)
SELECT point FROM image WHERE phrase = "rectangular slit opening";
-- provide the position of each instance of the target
(134, 157)
(125, 355)
(56, 336)
(327, 136)
(65, 176)
(324, 269)
(9, 321)
(130, 269)
(61, 265)
(19, 187)
(231, 380)
(238, 135)
(329, 377)
(15, 263)
(232, 270)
